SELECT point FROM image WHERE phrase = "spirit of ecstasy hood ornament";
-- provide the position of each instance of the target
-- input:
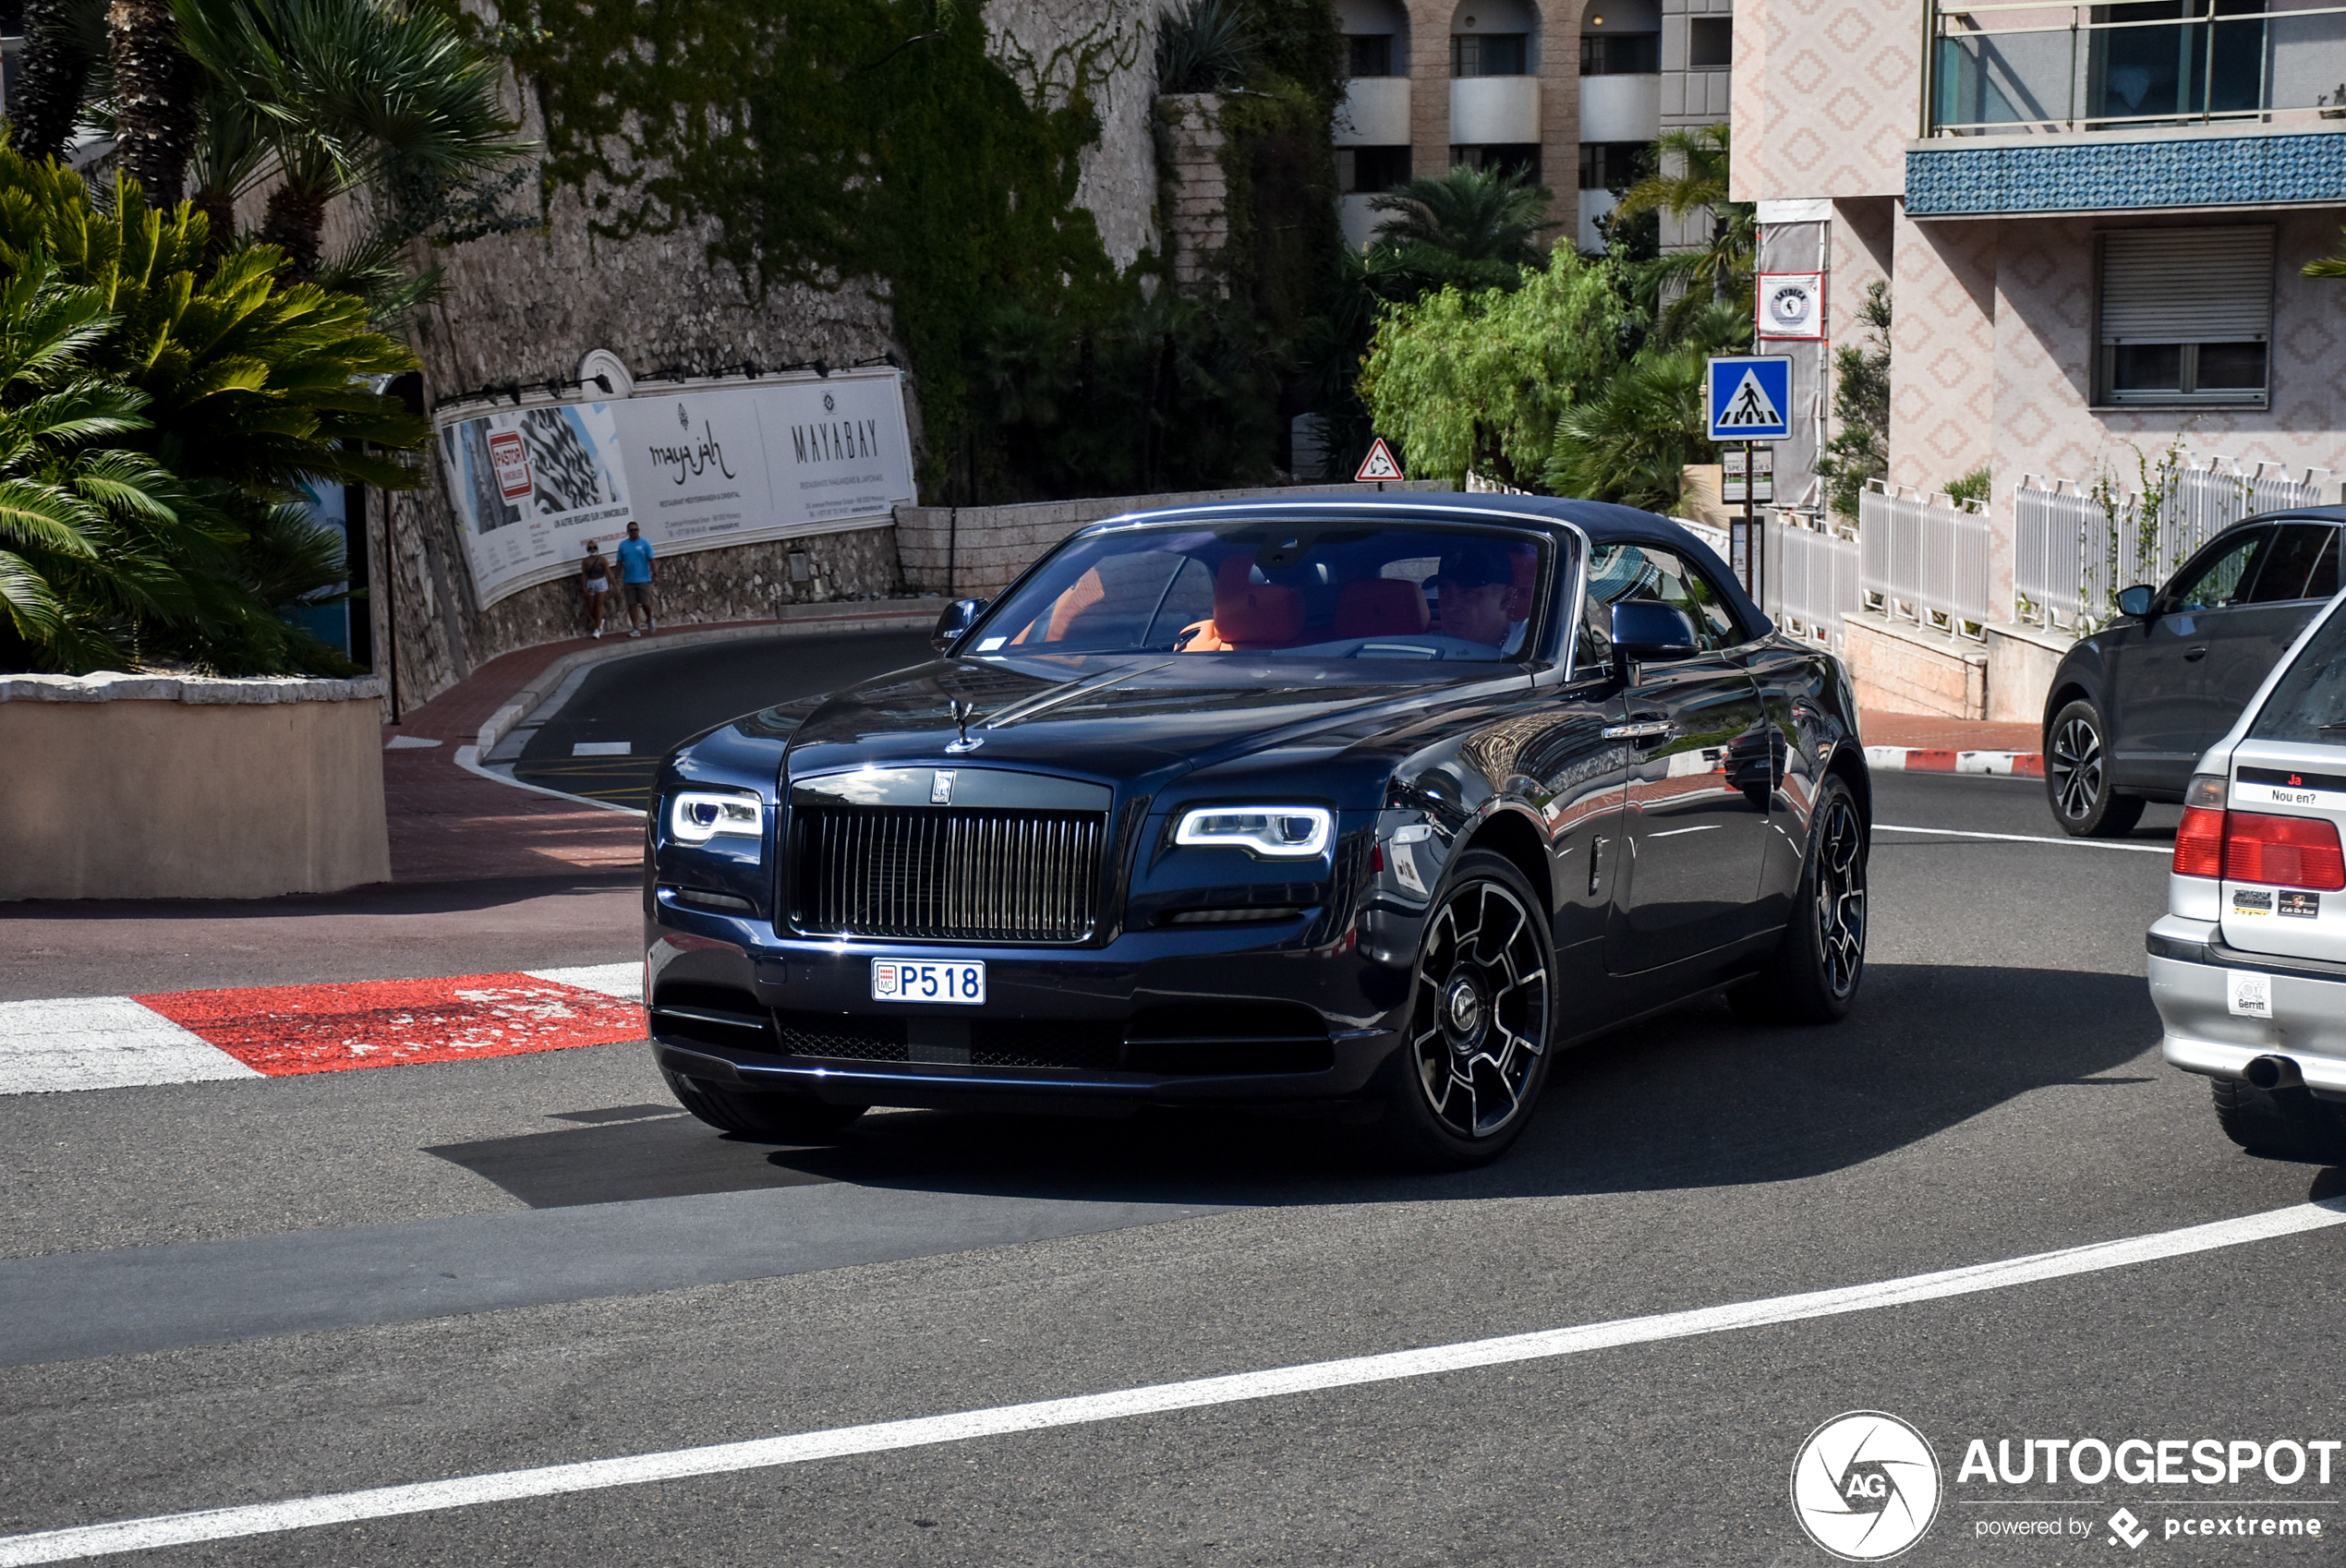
(962, 712)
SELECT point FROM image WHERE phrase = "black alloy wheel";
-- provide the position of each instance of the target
(1812, 976)
(1481, 1010)
(2077, 777)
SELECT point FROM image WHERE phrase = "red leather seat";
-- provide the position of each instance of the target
(1247, 614)
(1380, 607)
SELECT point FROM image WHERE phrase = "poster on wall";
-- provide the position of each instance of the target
(695, 468)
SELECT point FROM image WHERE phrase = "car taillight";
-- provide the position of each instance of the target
(2281, 852)
(2199, 844)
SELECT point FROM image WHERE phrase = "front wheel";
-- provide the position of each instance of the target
(1482, 1011)
(2077, 784)
(775, 1117)
(1812, 976)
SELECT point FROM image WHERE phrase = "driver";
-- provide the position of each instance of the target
(1476, 586)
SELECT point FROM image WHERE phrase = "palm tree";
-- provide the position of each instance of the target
(1631, 443)
(2329, 266)
(155, 89)
(1473, 227)
(62, 40)
(344, 93)
(1691, 180)
(1206, 46)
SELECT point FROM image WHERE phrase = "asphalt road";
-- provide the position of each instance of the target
(645, 705)
(249, 1293)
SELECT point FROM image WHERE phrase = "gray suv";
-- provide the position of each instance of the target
(2133, 706)
(2248, 967)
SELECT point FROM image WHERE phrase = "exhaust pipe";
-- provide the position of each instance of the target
(2269, 1073)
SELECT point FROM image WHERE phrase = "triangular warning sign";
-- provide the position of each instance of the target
(1749, 407)
(1379, 464)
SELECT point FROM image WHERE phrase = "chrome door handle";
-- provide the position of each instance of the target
(2191, 655)
(1648, 730)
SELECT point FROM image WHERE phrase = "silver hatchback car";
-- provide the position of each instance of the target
(2248, 967)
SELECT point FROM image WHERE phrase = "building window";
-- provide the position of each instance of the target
(1514, 158)
(1371, 55)
(1488, 54)
(1711, 43)
(1620, 53)
(1365, 171)
(2185, 316)
(1615, 165)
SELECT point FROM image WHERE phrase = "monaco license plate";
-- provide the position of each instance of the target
(927, 980)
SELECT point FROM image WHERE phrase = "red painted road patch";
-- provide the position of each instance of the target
(285, 1030)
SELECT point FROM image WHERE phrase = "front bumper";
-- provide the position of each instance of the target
(2190, 984)
(728, 997)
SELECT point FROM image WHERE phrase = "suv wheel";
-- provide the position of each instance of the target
(2077, 777)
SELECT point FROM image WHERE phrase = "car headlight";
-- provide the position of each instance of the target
(696, 816)
(1274, 832)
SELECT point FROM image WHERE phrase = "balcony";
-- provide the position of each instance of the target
(2155, 105)
(1375, 113)
(2022, 69)
(1490, 110)
(1620, 108)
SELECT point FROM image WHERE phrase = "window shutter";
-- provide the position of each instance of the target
(2187, 286)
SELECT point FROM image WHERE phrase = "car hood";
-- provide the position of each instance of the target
(1125, 719)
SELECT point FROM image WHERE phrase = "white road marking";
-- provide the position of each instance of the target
(101, 1042)
(602, 748)
(622, 981)
(2029, 838)
(383, 1503)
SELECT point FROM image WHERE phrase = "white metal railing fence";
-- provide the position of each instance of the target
(1924, 558)
(1811, 579)
(2074, 545)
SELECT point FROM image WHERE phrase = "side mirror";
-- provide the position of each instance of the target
(957, 617)
(1647, 630)
(2135, 602)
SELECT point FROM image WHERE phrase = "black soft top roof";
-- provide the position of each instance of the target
(1601, 521)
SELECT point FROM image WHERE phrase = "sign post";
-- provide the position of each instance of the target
(1750, 400)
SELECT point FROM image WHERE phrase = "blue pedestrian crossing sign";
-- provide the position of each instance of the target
(1750, 397)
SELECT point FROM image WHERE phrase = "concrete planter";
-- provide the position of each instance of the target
(166, 786)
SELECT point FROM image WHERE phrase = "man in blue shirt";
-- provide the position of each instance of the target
(636, 574)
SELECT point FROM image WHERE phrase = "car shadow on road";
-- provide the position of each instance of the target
(1690, 1099)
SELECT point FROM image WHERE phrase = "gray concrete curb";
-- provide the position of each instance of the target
(798, 620)
(117, 686)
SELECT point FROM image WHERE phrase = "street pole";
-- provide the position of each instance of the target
(1751, 520)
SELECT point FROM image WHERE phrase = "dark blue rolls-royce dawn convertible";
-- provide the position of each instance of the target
(1376, 800)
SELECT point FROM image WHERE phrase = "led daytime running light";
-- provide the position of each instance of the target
(1271, 832)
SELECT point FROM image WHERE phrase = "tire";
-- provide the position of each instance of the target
(2288, 1123)
(1482, 1007)
(1812, 977)
(2077, 782)
(770, 1117)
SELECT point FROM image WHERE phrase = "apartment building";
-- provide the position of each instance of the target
(1572, 92)
(2093, 218)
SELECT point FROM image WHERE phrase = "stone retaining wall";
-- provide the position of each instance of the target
(973, 551)
(167, 787)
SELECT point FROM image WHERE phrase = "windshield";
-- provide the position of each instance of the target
(2308, 703)
(1326, 588)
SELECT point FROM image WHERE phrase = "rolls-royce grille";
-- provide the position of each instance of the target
(947, 875)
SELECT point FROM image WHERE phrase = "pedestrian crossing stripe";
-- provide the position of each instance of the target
(1749, 407)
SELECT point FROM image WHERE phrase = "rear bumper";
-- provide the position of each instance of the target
(2190, 984)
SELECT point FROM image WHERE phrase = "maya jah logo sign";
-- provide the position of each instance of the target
(1791, 305)
(1866, 1486)
(510, 459)
(1379, 464)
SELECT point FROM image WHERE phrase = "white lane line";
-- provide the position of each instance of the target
(622, 981)
(101, 1042)
(594, 1475)
(2029, 838)
(602, 748)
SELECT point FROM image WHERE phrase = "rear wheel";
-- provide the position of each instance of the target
(1812, 976)
(770, 1117)
(1462, 1086)
(2289, 1123)
(2077, 777)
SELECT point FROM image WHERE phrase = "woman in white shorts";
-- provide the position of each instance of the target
(595, 573)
